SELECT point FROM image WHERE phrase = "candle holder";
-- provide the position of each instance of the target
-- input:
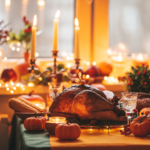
(32, 64)
(55, 55)
(77, 62)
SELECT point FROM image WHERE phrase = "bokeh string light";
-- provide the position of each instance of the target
(12, 86)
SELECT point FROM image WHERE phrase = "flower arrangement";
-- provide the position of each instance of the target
(138, 79)
(24, 36)
(3, 32)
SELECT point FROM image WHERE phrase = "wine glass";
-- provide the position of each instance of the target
(129, 102)
(54, 90)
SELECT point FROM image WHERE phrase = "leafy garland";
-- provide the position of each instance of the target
(138, 79)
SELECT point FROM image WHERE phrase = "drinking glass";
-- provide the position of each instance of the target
(129, 102)
(54, 90)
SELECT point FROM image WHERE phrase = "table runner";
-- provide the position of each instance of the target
(88, 140)
(95, 140)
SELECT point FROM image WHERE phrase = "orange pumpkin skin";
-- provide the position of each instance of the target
(145, 111)
(67, 131)
(35, 124)
(140, 128)
(35, 98)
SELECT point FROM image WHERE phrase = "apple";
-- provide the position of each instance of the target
(9, 74)
(73, 69)
(93, 71)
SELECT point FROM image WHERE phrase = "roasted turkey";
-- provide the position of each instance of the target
(88, 103)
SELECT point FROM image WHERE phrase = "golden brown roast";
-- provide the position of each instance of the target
(88, 103)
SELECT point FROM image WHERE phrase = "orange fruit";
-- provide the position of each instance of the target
(105, 68)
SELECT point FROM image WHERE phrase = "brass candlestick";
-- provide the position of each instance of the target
(32, 68)
(77, 62)
(55, 55)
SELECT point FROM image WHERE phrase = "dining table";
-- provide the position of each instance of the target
(90, 139)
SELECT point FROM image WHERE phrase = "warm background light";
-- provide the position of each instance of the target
(24, 2)
(7, 3)
(41, 3)
(122, 46)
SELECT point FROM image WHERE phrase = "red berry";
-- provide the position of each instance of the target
(144, 71)
(6, 32)
(27, 30)
(129, 83)
(139, 72)
(135, 110)
(149, 78)
(4, 36)
(26, 22)
(24, 18)
(145, 83)
(130, 79)
(122, 132)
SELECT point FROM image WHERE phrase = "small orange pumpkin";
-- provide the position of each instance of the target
(140, 126)
(145, 111)
(35, 123)
(35, 99)
(67, 131)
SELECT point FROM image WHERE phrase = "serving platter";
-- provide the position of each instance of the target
(24, 115)
(95, 124)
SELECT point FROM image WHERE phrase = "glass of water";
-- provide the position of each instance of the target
(54, 90)
(129, 102)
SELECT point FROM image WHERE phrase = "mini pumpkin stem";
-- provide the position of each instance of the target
(31, 93)
(35, 114)
(143, 118)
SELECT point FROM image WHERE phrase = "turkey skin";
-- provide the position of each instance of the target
(88, 103)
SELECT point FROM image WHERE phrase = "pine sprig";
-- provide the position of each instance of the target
(138, 80)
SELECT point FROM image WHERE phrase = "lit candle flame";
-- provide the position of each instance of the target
(76, 22)
(57, 14)
(35, 21)
(140, 57)
(120, 57)
(57, 120)
(87, 76)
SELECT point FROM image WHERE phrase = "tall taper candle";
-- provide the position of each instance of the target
(76, 38)
(33, 40)
(55, 31)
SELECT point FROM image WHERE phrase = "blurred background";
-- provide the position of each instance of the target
(129, 24)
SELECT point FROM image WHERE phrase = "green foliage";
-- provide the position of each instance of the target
(138, 79)
(60, 66)
(24, 36)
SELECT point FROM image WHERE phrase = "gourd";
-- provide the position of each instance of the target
(67, 131)
(140, 126)
(145, 111)
(35, 99)
(35, 123)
